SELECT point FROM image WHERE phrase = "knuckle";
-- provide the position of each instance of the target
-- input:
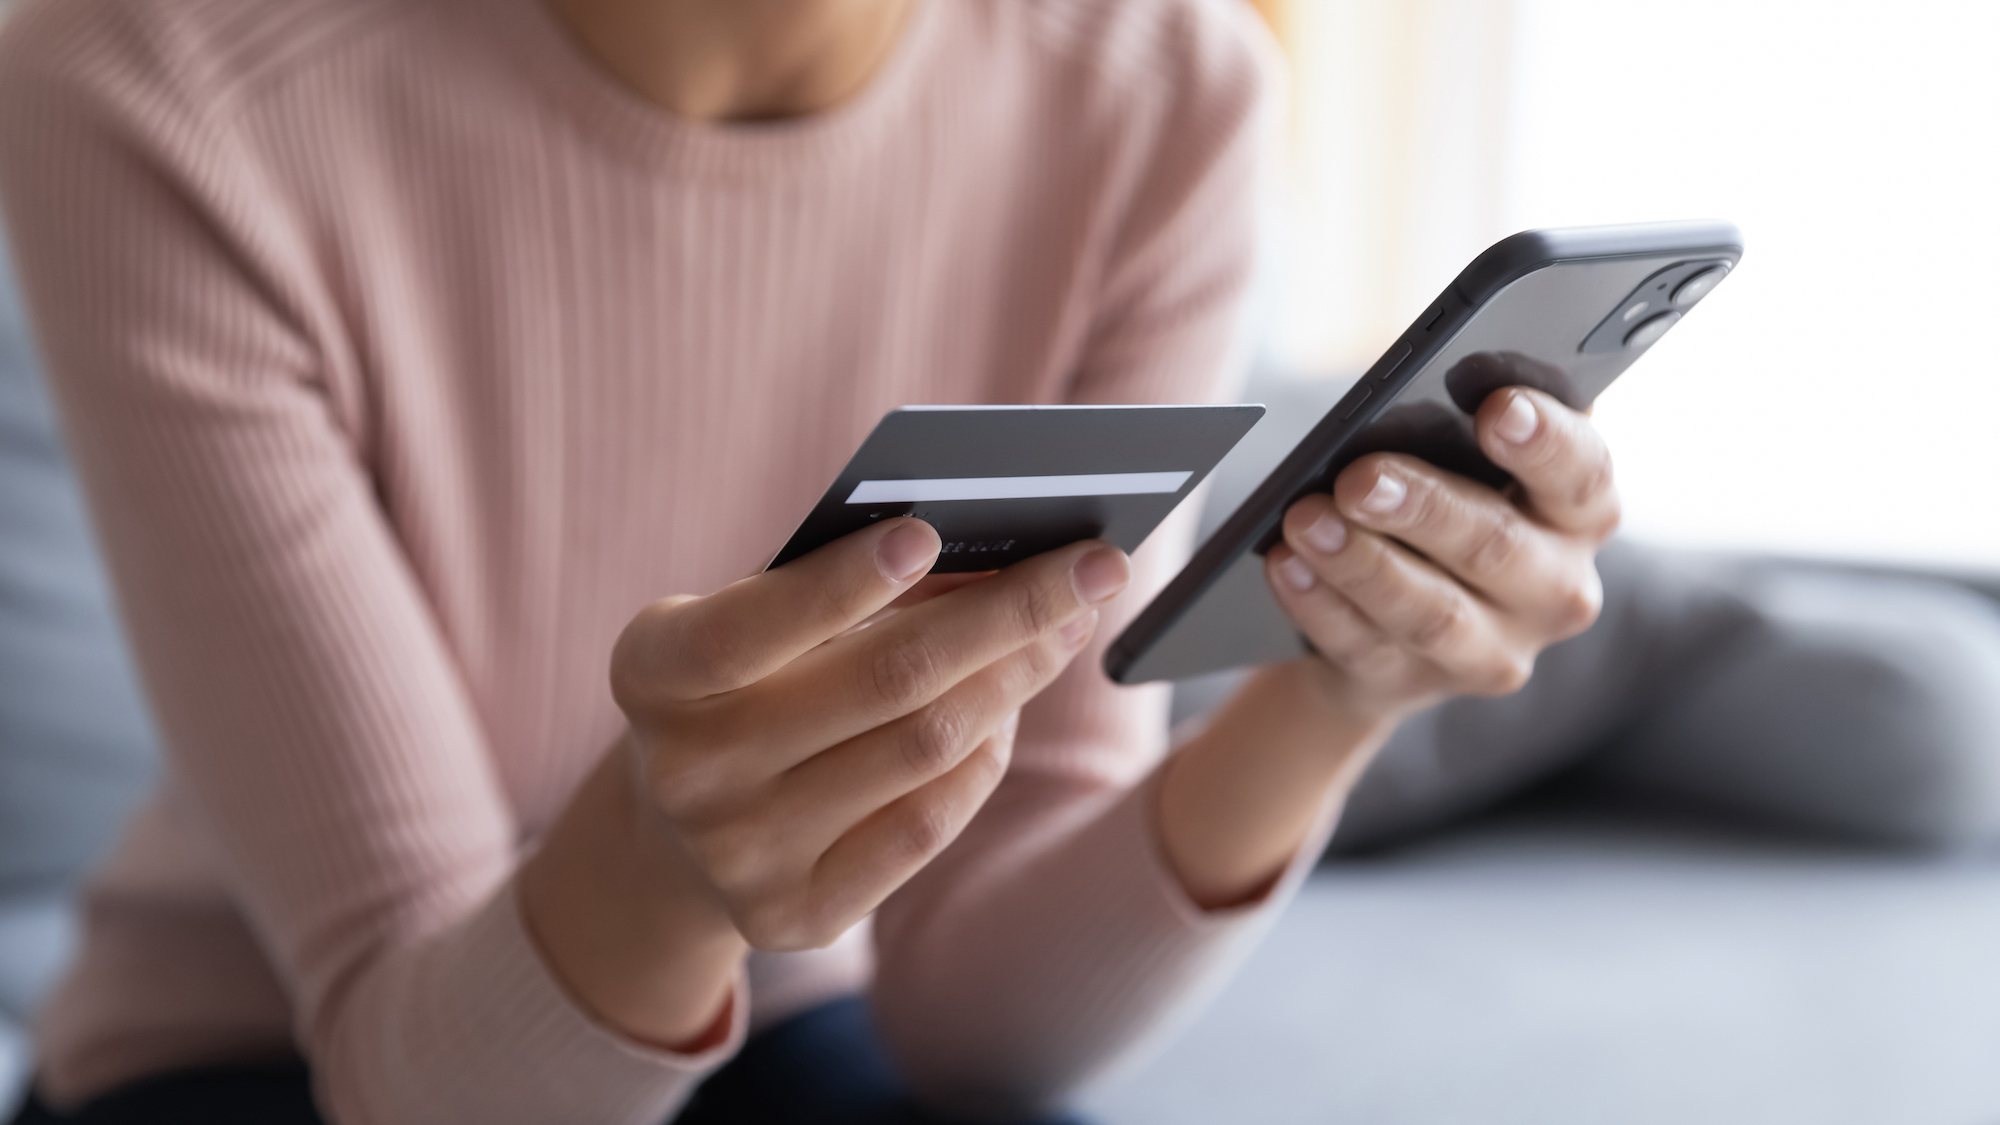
(674, 795)
(1038, 607)
(907, 673)
(1507, 674)
(1578, 606)
(1614, 514)
(672, 782)
(925, 830)
(832, 604)
(931, 740)
(990, 762)
(1437, 624)
(1373, 576)
(686, 775)
(1376, 659)
(1343, 652)
(1041, 663)
(730, 856)
(738, 887)
(1429, 504)
(1498, 546)
(1335, 629)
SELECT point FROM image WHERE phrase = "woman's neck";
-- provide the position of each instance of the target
(739, 60)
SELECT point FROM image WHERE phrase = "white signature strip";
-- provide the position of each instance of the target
(1015, 488)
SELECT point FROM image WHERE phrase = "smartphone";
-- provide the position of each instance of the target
(1564, 310)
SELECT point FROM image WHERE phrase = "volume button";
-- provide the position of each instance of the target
(1400, 352)
(1356, 398)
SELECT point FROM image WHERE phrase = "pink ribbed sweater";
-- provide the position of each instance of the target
(406, 355)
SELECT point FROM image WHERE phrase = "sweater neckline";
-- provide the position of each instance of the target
(623, 118)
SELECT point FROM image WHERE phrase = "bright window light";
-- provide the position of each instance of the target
(1840, 394)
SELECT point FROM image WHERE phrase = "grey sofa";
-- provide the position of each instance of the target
(1567, 961)
(1588, 956)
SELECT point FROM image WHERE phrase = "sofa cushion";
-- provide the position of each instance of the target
(1583, 964)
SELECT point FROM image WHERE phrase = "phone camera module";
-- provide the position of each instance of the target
(1650, 331)
(1654, 305)
(1697, 287)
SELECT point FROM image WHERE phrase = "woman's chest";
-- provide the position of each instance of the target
(632, 351)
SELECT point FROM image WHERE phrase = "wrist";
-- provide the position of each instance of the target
(1340, 703)
(623, 921)
(1240, 799)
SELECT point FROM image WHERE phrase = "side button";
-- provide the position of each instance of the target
(1355, 399)
(1394, 361)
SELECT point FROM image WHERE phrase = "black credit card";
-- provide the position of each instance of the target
(1002, 483)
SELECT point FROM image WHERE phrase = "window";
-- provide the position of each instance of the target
(1841, 393)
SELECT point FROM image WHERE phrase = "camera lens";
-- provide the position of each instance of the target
(1697, 287)
(1644, 335)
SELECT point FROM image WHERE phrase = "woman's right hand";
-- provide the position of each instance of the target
(793, 758)
(805, 767)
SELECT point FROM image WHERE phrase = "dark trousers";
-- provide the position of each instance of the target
(825, 1065)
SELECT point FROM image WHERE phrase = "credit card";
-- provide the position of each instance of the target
(1003, 483)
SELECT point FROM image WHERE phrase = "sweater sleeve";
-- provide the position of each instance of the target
(1052, 938)
(308, 703)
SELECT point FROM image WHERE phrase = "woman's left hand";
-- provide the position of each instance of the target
(1414, 583)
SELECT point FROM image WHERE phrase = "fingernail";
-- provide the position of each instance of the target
(1519, 421)
(1011, 724)
(1100, 574)
(1078, 629)
(1327, 533)
(1387, 494)
(1297, 574)
(906, 551)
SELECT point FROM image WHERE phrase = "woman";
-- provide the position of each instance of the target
(410, 350)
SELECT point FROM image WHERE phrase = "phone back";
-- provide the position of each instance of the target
(1563, 311)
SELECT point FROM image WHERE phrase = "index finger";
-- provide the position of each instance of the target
(1558, 457)
(691, 648)
(861, 680)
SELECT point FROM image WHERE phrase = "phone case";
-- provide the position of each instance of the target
(1564, 310)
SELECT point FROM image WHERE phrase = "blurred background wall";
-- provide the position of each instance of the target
(1840, 396)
